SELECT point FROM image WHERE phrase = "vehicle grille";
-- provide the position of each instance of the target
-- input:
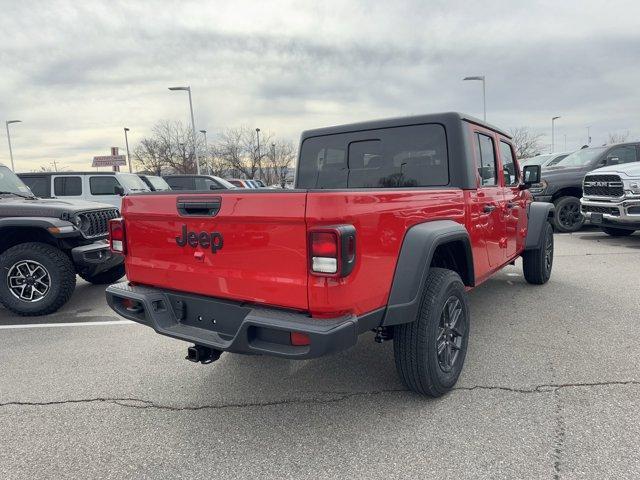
(96, 222)
(608, 210)
(603, 186)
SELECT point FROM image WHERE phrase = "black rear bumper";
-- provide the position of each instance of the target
(236, 327)
(95, 258)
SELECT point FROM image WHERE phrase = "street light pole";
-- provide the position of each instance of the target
(126, 141)
(589, 135)
(259, 159)
(484, 93)
(193, 125)
(9, 141)
(206, 150)
(553, 133)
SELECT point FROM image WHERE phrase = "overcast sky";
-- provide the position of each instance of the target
(76, 73)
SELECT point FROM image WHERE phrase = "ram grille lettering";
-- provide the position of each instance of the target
(211, 240)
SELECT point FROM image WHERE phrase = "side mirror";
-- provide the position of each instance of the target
(214, 187)
(613, 160)
(118, 190)
(530, 174)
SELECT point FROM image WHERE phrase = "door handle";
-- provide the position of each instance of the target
(488, 208)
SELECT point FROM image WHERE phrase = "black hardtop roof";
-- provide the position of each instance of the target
(445, 118)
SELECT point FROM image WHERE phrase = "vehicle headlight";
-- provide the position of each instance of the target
(538, 187)
(632, 186)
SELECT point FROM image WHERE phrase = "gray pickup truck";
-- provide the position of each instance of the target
(562, 183)
(611, 199)
(45, 242)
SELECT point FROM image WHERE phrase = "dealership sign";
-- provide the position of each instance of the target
(109, 161)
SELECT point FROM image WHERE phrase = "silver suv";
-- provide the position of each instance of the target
(611, 198)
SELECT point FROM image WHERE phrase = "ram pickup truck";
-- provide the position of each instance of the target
(611, 198)
(390, 224)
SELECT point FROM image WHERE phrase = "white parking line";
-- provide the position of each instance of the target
(71, 324)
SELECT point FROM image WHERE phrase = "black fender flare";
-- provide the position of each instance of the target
(538, 213)
(420, 243)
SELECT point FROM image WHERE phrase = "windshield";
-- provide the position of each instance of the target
(539, 160)
(224, 183)
(132, 182)
(9, 182)
(581, 157)
(158, 183)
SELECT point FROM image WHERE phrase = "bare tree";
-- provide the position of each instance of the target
(237, 150)
(617, 137)
(527, 143)
(170, 147)
(282, 155)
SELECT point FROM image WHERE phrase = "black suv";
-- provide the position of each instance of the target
(44, 243)
(562, 183)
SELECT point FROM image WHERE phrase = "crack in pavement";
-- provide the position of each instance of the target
(331, 397)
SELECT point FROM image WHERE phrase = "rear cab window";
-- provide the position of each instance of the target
(408, 156)
(486, 155)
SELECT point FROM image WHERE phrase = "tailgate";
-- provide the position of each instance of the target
(236, 245)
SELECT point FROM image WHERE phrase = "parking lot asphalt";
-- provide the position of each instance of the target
(550, 389)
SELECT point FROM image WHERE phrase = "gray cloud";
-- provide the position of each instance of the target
(76, 74)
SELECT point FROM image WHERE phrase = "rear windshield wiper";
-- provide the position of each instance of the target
(30, 197)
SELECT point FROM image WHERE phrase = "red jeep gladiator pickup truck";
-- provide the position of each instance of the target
(391, 223)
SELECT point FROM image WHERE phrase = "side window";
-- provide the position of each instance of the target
(103, 185)
(203, 183)
(67, 186)
(626, 154)
(487, 155)
(180, 183)
(509, 170)
(37, 185)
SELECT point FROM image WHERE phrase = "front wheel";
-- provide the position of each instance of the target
(617, 232)
(35, 278)
(430, 350)
(568, 217)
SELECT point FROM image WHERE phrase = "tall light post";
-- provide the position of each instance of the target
(206, 149)
(553, 133)
(589, 135)
(259, 159)
(9, 140)
(126, 141)
(193, 125)
(484, 93)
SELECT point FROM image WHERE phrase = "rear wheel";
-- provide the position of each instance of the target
(617, 232)
(430, 351)
(568, 217)
(35, 278)
(537, 263)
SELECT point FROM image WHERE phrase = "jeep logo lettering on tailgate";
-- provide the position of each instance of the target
(204, 239)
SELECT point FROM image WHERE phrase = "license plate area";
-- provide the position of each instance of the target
(596, 218)
(218, 316)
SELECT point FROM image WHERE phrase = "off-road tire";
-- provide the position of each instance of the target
(105, 278)
(62, 278)
(415, 344)
(537, 263)
(617, 232)
(567, 207)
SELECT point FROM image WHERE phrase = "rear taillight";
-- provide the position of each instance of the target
(117, 237)
(332, 250)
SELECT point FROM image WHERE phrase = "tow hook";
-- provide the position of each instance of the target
(202, 354)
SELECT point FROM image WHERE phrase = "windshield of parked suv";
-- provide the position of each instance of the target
(538, 160)
(10, 183)
(158, 183)
(132, 182)
(581, 157)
